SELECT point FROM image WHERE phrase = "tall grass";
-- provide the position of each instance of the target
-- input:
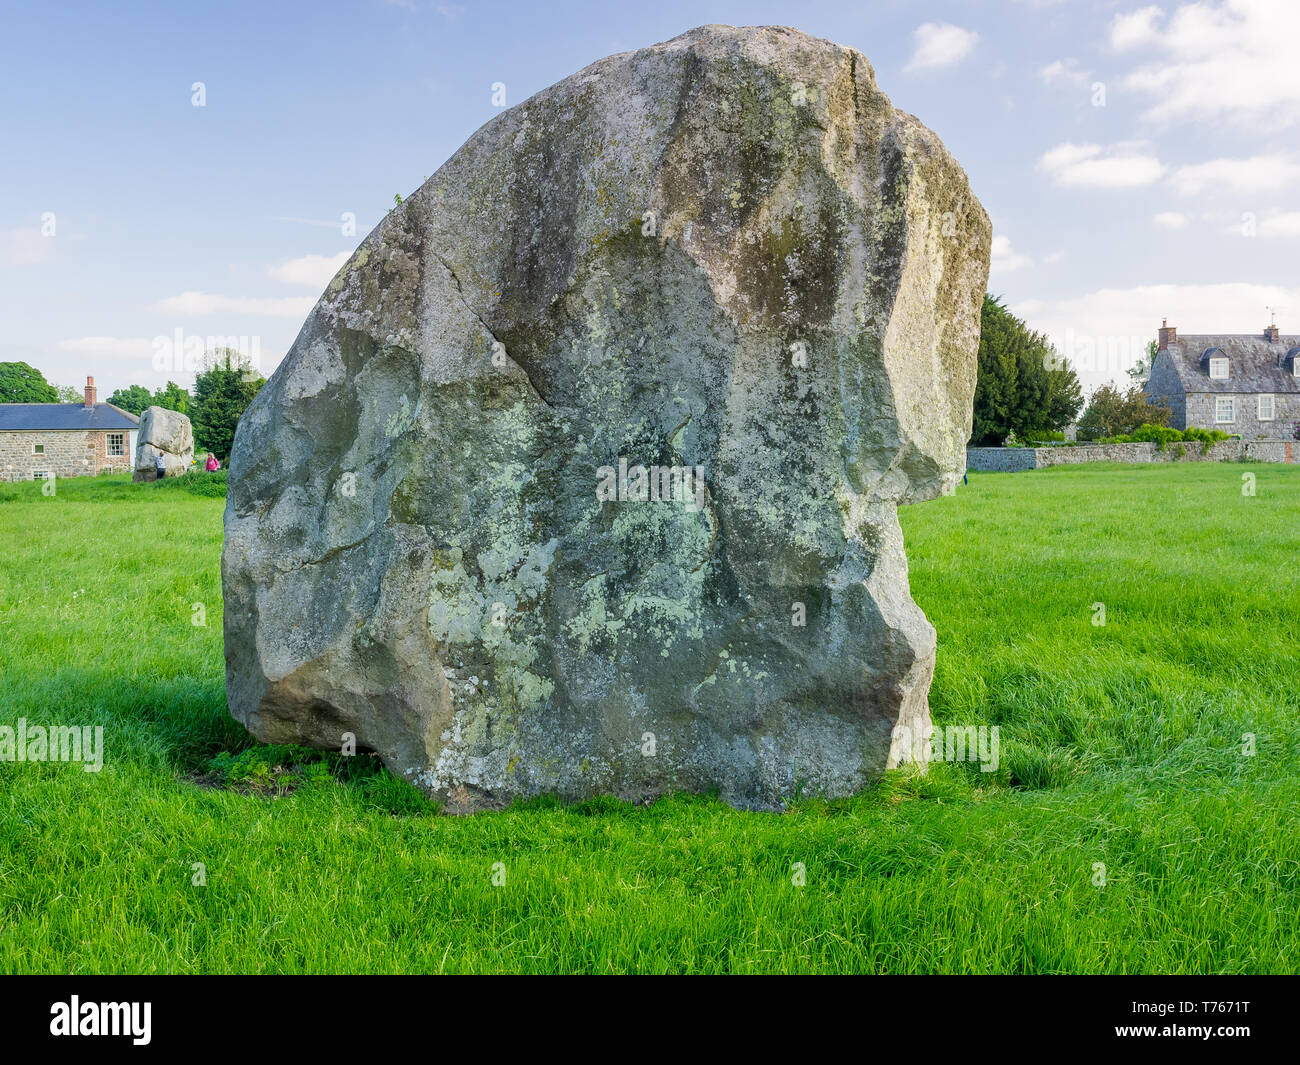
(196, 850)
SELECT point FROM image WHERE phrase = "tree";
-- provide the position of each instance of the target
(1112, 412)
(133, 399)
(1023, 386)
(222, 392)
(69, 394)
(20, 383)
(1142, 370)
(136, 397)
(173, 397)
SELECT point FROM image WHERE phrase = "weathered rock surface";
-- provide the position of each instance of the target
(726, 252)
(167, 432)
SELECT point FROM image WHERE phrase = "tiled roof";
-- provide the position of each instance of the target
(28, 417)
(1254, 364)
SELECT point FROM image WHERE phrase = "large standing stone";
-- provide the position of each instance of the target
(165, 432)
(726, 252)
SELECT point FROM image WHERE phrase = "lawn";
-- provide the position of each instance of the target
(195, 850)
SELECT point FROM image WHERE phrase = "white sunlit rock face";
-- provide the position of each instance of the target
(582, 476)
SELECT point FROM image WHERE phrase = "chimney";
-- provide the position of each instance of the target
(1270, 333)
(90, 393)
(1168, 334)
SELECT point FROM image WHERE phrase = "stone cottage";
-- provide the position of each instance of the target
(1248, 386)
(65, 439)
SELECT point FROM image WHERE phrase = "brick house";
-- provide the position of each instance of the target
(1248, 386)
(65, 439)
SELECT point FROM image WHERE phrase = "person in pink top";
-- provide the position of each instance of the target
(212, 463)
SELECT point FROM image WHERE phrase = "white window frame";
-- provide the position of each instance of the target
(108, 445)
(1232, 410)
(1272, 407)
(40, 475)
(1218, 364)
(38, 449)
(1295, 366)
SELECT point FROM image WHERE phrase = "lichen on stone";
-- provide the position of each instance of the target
(728, 253)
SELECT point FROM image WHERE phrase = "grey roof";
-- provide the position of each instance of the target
(27, 417)
(1254, 364)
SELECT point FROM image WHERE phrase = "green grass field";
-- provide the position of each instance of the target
(1121, 744)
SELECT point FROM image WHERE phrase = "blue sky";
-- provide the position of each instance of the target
(1138, 161)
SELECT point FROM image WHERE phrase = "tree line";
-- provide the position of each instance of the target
(1023, 391)
(222, 391)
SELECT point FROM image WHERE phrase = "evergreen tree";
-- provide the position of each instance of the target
(222, 392)
(1023, 386)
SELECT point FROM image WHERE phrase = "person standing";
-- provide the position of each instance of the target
(160, 464)
(212, 465)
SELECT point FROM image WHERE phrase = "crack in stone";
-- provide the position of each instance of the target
(334, 552)
(460, 291)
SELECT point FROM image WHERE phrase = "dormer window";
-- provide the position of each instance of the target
(1294, 356)
(1219, 369)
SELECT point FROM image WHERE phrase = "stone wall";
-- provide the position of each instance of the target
(1003, 459)
(1065, 456)
(67, 453)
(1017, 459)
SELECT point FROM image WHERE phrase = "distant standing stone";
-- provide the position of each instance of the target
(165, 433)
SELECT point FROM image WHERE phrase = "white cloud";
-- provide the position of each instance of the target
(1125, 165)
(1134, 28)
(1053, 257)
(940, 44)
(1102, 332)
(451, 12)
(1260, 173)
(1004, 260)
(1282, 224)
(1170, 219)
(314, 270)
(127, 348)
(1231, 307)
(1274, 224)
(1235, 60)
(1067, 71)
(211, 303)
